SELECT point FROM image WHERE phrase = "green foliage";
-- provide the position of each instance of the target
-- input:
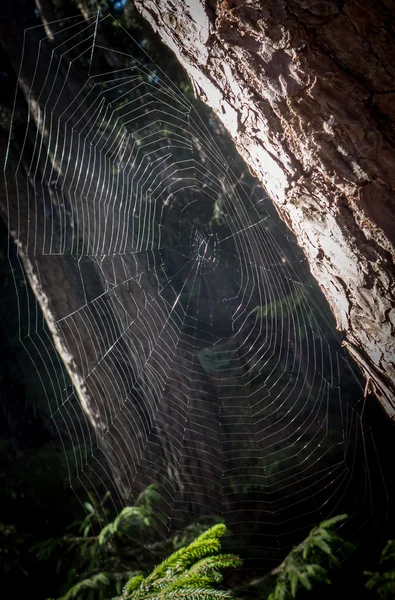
(131, 517)
(104, 561)
(188, 573)
(383, 580)
(219, 218)
(282, 307)
(194, 530)
(309, 562)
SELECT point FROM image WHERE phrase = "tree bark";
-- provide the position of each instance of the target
(307, 90)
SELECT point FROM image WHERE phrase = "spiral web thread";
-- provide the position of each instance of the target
(198, 343)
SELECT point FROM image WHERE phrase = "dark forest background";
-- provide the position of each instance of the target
(37, 502)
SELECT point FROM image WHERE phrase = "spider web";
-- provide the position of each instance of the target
(196, 341)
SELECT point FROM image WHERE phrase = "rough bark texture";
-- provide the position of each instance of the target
(307, 90)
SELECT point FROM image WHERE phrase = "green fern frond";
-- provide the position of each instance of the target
(329, 523)
(133, 584)
(130, 515)
(205, 571)
(206, 544)
(148, 496)
(305, 564)
(383, 580)
(188, 573)
(191, 594)
(192, 571)
(97, 581)
(132, 518)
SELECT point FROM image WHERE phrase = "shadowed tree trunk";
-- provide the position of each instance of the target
(57, 274)
(307, 90)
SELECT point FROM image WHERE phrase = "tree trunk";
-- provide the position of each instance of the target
(106, 316)
(67, 287)
(307, 90)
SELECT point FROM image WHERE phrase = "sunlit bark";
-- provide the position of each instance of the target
(307, 90)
